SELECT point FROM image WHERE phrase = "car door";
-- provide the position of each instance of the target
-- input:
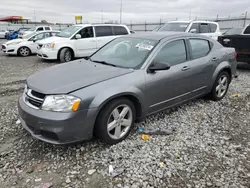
(169, 87)
(201, 65)
(86, 45)
(104, 34)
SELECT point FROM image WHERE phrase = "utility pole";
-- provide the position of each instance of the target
(102, 16)
(35, 16)
(190, 12)
(121, 13)
(245, 19)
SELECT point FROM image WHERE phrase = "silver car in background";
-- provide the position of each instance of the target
(3, 33)
(126, 80)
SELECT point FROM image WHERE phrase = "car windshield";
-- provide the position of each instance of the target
(234, 31)
(28, 36)
(68, 32)
(180, 26)
(125, 52)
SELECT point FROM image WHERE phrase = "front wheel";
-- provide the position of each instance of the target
(220, 86)
(65, 55)
(115, 120)
(24, 51)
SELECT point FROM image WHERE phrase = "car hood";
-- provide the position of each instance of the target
(69, 77)
(52, 39)
(14, 41)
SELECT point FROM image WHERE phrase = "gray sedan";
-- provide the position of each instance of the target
(124, 81)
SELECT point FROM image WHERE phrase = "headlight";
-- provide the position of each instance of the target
(50, 45)
(61, 103)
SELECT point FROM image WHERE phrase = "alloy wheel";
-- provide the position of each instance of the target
(24, 51)
(222, 86)
(119, 122)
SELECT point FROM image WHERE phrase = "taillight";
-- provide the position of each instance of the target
(235, 56)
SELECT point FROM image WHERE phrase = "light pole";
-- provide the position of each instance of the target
(121, 13)
(102, 16)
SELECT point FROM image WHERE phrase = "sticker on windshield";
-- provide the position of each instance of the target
(144, 46)
(183, 25)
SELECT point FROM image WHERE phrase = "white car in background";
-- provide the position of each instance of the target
(3, 33)
(34, 29)
(27, 45)
(79, 41)
(210, 29)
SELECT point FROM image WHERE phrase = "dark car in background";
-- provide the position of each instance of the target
(240, 40)
(127, 79)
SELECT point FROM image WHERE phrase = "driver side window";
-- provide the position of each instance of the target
(173, 53)
(86, 32)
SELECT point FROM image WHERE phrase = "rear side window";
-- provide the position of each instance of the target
(199, 47)
(172, 53)
(119, 30)
(47, 28)
(102, 31)
(204, 28)
(195, 26)
(213, 27)
(40, 29)
(247, 30)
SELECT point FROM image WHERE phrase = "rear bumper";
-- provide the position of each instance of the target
(54, 127)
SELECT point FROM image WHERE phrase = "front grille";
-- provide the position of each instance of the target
(3, 47)
(37, 94)
(33, 98)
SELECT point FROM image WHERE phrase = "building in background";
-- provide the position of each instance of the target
(15, 19)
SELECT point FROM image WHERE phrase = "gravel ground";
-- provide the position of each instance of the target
(210, 147)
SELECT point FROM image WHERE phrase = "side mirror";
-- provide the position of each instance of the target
(78, 36)
(34, 39)
(156, 66)
(193, 31)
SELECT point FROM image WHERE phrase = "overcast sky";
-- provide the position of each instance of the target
(133, 10)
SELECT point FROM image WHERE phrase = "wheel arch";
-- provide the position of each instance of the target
(18, 53)
(224, 66)
(70, 48)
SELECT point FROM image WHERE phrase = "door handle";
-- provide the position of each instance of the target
(214, 59)
(92, 40)
(185, 68)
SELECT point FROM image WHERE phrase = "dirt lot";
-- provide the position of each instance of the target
(210, 147)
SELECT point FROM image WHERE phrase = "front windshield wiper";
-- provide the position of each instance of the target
(102, 62)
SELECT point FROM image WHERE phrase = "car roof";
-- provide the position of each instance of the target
(88, 25)
(193, 21)
(161, 35)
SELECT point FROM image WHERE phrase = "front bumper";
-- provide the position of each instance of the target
(45, 53)
(11, 49)
(55, 127)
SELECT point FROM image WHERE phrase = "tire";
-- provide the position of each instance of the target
(220, 87)
(111, 115)
(24, 51)
(65, 55)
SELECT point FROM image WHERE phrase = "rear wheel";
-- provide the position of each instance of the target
(220, 86)
(65, 55)
(115, 120)
(24, 51)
